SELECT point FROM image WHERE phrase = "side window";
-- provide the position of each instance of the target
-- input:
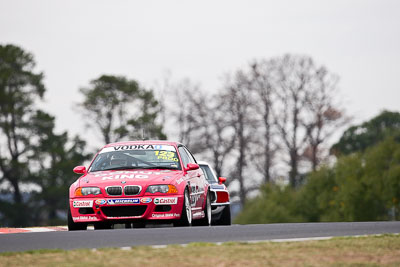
(191, 158)
(184, 156)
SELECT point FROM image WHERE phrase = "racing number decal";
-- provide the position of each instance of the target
(167, 155)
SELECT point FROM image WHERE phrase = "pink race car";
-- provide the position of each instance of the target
(138, 182)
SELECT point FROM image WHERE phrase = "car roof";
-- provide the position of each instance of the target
(140, 142)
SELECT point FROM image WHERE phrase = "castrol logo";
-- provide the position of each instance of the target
(166, 201)
(82, 203)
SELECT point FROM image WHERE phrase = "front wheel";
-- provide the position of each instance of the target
(225, 218)
(72, 226)
(186, 215)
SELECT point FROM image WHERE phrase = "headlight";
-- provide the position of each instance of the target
(162, 188)
(84, 191)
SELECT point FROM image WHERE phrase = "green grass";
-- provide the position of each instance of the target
(349, 251)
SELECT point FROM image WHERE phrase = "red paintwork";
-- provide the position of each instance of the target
(222, 196)
(80, 169)
(190, 178)
(221, 180)
(192, 167)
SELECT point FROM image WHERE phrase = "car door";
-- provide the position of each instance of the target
(200, 184)
(196, 184)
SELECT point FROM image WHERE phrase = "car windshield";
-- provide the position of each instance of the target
(136, 157)
(210, 176)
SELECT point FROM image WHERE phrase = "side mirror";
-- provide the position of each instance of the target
(221, 180)
(80, 169)
(192, 166)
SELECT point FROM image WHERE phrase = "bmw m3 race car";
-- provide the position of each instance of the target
(138, 182)
(220, 200)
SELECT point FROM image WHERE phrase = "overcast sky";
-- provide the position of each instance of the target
(75, 41)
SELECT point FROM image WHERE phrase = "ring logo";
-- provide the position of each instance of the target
(82, 203)
(146, 200)
(100, 201)
(165, 200)
(123, 201)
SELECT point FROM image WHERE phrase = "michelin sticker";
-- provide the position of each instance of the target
(123, 201)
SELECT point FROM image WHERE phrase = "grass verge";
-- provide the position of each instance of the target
(350, 251)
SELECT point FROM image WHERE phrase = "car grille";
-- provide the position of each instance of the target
(131, 190)
(124, 211)
(114, 190)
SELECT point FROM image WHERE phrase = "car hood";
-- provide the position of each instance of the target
(130, 177)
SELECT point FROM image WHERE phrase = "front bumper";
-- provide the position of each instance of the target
(100, 209)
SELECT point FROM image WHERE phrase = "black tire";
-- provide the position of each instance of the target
(72, 226)
(103, 226)
(225, 218)
(206, 221)
(186, 215)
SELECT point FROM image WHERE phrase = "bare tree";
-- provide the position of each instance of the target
(240, 101)
(283, 106)
(181, 111)
(262, 82)
(307, 113)
(294, 77)
(201, 121)
(325, 115)
(216, 131)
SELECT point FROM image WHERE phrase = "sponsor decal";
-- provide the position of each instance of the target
(166, 155)
(165, 200)
(146, 200)
(82, 203)
(195, 195)
(164, 215)
(199, 214)
(123, 201)
(91, 218)
(138, 147)
(126, 175)
(100, 201)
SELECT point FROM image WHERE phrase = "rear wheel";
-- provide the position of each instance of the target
(186, 216)
(206, 221)
(72, 226)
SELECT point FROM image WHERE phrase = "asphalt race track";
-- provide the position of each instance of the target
(184, 235)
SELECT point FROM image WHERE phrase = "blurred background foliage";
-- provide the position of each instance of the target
(268, 129)
(361, 186)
